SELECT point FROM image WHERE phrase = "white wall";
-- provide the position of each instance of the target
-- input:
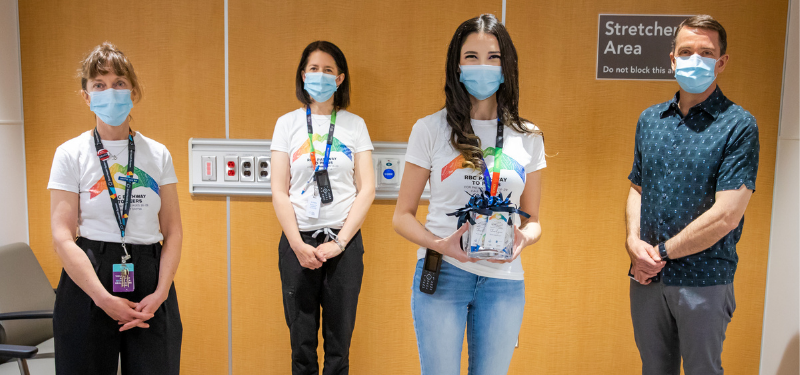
(13, 198)
(779, 345)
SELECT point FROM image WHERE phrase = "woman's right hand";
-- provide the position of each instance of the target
(123, 310)
(451, 246)
(307, 255)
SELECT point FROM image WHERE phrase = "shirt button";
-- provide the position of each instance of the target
(669, 171)
(664, 196)
(675, 146)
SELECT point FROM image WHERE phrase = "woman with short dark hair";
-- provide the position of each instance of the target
(322, 186)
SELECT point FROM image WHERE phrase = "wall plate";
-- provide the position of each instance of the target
(252, 167)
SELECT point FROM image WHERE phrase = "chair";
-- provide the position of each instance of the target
(26, 312)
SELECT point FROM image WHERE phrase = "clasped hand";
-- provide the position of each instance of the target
(646, 263)
(312, 257)
(130, 314)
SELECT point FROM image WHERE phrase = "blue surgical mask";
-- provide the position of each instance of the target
(320, 86)
(695, 73)
(481, 80)
(112, 106)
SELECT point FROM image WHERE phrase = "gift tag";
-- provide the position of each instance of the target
(478, 232)
(123, 277)
(314, 203)
(496, 232)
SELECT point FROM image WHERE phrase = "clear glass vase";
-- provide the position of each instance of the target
(491, 237)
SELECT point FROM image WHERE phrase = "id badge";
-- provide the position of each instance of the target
(314, 204)
(123, 277)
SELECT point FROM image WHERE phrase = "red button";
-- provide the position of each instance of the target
(231, 173)
(231, 164)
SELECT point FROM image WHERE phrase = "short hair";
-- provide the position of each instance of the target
(107, 58)
(341, 98)
(704, 21)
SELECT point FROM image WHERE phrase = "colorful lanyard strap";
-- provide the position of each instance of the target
(121, 216)
(491, 182)
(311, 139)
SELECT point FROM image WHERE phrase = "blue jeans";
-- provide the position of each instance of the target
(490, 309)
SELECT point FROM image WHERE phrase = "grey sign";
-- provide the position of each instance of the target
(635, 46)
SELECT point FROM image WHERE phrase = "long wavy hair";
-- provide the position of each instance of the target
(457, 101)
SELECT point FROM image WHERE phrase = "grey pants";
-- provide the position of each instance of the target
(670, 322)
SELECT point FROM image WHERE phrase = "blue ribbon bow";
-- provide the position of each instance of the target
(485, 204)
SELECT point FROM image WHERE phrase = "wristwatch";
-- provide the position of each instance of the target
(662, 251)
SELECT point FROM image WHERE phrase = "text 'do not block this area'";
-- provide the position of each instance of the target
(635, 46)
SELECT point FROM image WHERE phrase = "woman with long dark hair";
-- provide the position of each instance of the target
(479, 130)
(322, 186)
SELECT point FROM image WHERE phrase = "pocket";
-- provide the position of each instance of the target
(289, 305)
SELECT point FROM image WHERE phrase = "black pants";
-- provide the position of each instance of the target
(88, 341)
(334, 286)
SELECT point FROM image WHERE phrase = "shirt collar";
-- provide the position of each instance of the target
(713, 105)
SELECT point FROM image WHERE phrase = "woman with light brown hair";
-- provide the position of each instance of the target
(102, 312)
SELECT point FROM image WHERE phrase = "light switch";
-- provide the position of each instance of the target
(209, 168)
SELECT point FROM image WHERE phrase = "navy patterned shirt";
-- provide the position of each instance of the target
(680, 163)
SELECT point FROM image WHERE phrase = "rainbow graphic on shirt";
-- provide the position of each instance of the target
(336, 146)
(142, 180)
(501, 161)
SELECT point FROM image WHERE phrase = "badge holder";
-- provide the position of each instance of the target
(314, 204)
(123, 273)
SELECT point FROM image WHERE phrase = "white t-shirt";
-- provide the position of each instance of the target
(76, 168)
(350, 137)
(451, 185)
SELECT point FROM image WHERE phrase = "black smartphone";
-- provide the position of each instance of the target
(430, 272)
(324, 185)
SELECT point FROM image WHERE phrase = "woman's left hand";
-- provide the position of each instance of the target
(328, 250)
(149, 305)
(520, 242)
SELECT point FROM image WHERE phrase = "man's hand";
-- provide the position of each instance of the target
(645, 259)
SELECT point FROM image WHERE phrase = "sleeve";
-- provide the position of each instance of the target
(740, 159)
(537, 154)
(636, 170)
(363, 142)
(167, 170)
(420, 146)
(65, 172)
(280, 137)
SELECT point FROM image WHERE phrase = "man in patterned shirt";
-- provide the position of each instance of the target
(694, 170)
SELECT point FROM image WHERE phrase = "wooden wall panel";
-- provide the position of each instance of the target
(396, 54)
(177, 50)
(577, 318)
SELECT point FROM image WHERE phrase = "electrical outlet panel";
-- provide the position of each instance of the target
(245, 167)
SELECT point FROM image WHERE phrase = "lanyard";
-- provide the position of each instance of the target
(491, 182)
(311, 139)
(121, 216)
